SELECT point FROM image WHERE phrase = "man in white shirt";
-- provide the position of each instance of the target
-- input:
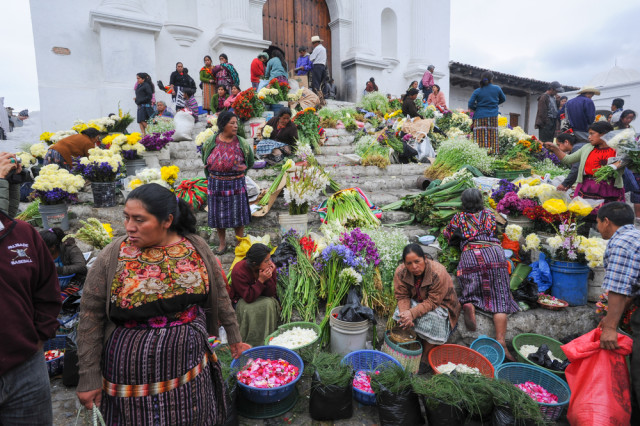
(319, 59)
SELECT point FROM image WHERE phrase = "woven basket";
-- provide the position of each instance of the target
(55, 366)
(408, 354)
(315, 327)
(517, 373)
(538, 340)
(460, 355)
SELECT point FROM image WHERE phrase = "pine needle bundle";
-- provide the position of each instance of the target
(331, 370)
(393, 378)
(443, 389)
(523, 408)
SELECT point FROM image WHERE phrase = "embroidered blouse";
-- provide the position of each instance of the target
(157, 281)
(596, 159)
(226, 157)
(473, 226)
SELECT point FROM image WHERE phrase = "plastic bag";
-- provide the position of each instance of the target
(253, 189)
(329, 402)
(184, 126)
(599, 381)
(398, 409)
(425, 150)
(527, 292)
(283, 254)
(502, 416)
(232, 406)
(541, 274)
(541, 358)
(353, 311)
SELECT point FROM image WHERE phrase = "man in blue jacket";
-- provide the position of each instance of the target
(303, 64)
(581, 112)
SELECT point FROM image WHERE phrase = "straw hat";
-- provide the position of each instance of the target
(588, 89)
(316, 39)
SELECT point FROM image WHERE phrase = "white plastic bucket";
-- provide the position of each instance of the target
(347, 337)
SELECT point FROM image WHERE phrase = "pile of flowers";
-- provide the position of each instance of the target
(165, 177)
(267, 373)
(161, 125)
(248, 105)
(303, 187)
(51, 138)
(513, 232)
(294, 338)
(55, 185)
(308, 124)
(568, 246)
(540, 192)
(157, 141)
(128, 146)
(362, 381)
(102, 165)
(94, 233)
(538, 393)
(295, 97)
(269, 95)
(38, 150)
(512, 205)
(282, 88)
(204, 136)
(100, 124)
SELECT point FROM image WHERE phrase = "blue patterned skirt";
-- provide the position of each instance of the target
(228, 202)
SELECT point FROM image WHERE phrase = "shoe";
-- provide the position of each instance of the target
(469, 316)
(424, 368)
(221, 252)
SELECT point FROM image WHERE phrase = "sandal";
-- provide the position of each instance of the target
(221, 252)
(469, 316)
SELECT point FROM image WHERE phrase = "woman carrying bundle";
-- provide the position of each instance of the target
(426, 300)
(253, 292)
(483, 269)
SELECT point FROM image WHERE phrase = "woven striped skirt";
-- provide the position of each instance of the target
(136, 356)
(208, 90)
(228, 203)
(485, 133)
(484, 278)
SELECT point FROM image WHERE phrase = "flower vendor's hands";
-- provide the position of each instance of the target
(561, 188)
(6, 165)
(238, 348)
(89, 398)
(265, 274)
(406, 319)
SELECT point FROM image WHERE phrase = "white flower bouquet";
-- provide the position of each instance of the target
(303, 187)
(102, 165)
(55, 185)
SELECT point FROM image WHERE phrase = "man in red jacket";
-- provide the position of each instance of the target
(257, 68)
(30, 305)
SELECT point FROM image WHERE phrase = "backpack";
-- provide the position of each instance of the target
(420, 86)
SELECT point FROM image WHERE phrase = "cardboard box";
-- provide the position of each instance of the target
(303, 80)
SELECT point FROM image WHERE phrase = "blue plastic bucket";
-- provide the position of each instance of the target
(570, 282)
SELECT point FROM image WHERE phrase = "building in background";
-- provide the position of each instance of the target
(88, 52)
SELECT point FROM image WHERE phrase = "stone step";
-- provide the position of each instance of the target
(337, 132)
(339, 140)
(337, 149)
(414, 170)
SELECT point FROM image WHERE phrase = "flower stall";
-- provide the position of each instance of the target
(101, 168)
(55, 188)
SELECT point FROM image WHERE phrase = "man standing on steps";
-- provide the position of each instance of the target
(427, 81)
(547, 115)
(319, 59)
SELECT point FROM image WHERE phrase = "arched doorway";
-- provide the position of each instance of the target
(289, 24)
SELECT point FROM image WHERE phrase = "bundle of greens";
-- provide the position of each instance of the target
(436, 206)
(458, 152)
(94, 233)
(329, 117)
(375, 102)
(449, 257)
(605, 173)
(31, 213)
(297, 288)
(276, 183)
(393, 378)
(351, 210)
(547, 166)
(445, 389)
(371, 152)
(330, 369)
(225, 358)
(523, 408)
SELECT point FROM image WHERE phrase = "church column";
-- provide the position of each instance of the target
(419, 37)
(361, 37)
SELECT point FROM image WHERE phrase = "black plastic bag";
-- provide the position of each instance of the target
(70, 371)
(445, 415)
(502, 416)
(541, 357)
(527, 292)
(398, 409)
(330, 402)
(353, 311)
(284, 254)
(407, 153)
(232, 406)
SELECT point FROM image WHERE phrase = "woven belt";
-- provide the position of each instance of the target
(124, 391)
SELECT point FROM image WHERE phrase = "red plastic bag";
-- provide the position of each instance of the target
(599, 381)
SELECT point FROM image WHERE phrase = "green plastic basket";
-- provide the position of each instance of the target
(538, 340)
(285, 327)
(511, 174)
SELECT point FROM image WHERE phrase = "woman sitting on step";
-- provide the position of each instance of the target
(253, 292)
(281, 139)
(483, 269)
(427, 301)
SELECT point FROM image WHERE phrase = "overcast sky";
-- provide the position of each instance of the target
(565, 40)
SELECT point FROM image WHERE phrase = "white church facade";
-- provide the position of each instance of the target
(88, 52)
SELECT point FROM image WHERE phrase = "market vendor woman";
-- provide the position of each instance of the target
(253, 292)
(425, 294)
(483, 269)
(282, 139)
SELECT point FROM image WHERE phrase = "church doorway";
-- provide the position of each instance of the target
(289, 24)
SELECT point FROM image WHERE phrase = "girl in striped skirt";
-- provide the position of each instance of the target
(483, 269)
(484, 103)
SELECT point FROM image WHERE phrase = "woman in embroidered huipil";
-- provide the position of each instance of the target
(227, 157)
(149, 305)
(483, 269)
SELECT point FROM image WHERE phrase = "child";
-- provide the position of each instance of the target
(190, 103)
(217, 100)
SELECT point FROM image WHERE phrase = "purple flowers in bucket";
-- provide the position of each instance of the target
(156, 141)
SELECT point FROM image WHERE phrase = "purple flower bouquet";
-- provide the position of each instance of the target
(157, 141)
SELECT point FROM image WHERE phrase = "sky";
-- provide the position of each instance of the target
(565, 40)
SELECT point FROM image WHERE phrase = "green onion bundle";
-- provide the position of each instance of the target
(605, 173)
(276, 183)
(351, 210)
(31, 212)
(331, 370)
(392, 377)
